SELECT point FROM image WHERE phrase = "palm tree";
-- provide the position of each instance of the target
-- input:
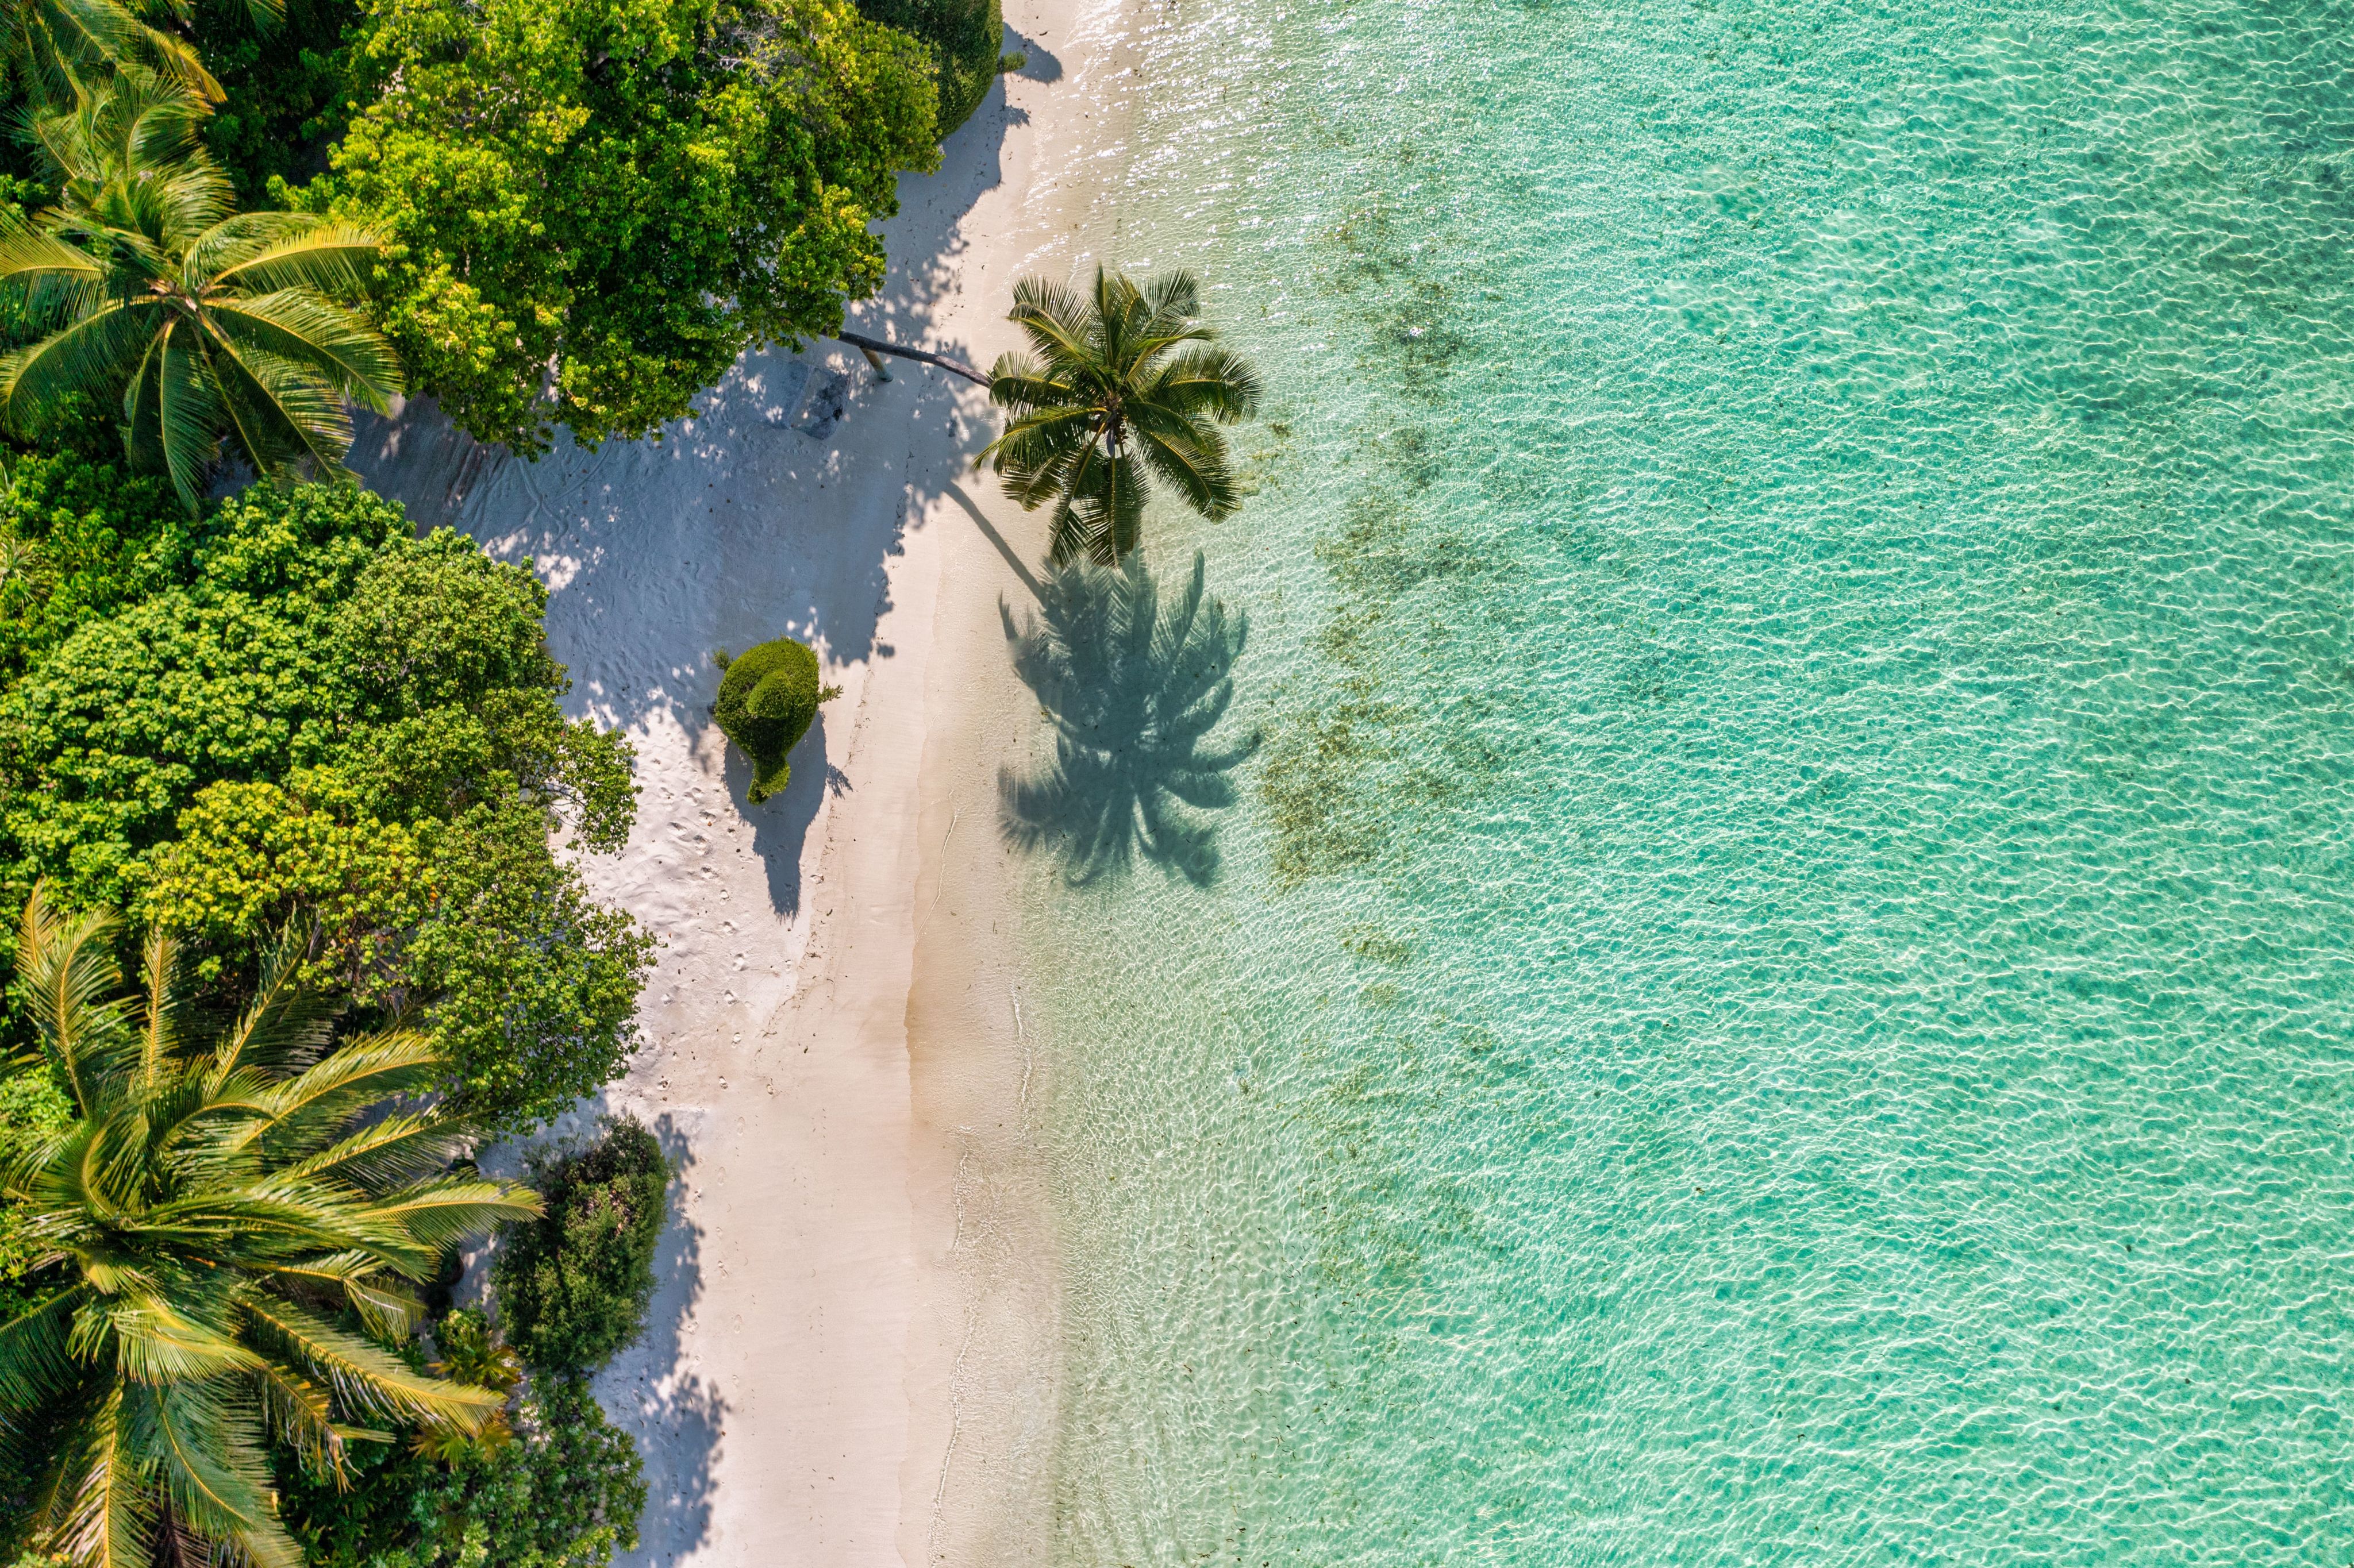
(1134, 687)
(206, 322)
(52, 43)
(223, 1197)
(1123, 381)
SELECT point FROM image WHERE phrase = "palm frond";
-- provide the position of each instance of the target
(364, 1376)
(66, 965)
(390, 1152)
(451, 1209)
(187, 410)
(300, 1413)
(1191, 456)
(166, 1011)
(1058, 325)
(285, 250)
(156, 1342)
(34, 1361)
(90, 354)
(108, 1505)
(208, 1457)
(1207, 379)
(308, 1109)
(285, 1027)
(1104, 513)
(282, 411)
(26, 253)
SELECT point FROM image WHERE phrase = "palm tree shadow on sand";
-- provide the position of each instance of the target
(1134, 686)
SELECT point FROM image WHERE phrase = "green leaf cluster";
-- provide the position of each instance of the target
(319, 717)
(964, 37)
(80, 539)
(564, 1494)
(633, 191)
(284, 89)
(768, 700)
(573, 1286)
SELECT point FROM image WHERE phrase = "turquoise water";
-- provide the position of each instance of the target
(1776, 991)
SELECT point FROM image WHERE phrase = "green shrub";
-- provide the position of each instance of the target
(964, 37)
(573, 1288)
(627, 194)
(767, 699)
(81, 538)
(318, 716)
(564, 1493)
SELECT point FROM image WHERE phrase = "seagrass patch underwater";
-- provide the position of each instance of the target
(1775, 989)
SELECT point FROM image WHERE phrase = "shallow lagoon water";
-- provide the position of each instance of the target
(1776, 989)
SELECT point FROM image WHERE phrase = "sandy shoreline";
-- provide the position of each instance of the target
(852, 1354)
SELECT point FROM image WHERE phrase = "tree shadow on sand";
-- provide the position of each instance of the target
(1134, 686)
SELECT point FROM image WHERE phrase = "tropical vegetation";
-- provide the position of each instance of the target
(207, 324)
(1122, 383)
(50, 45)
(315, 715)
(563, 1490)
(553, 1485)
(573, 1288)
(965, 37)
(769, 697)
(234, 1216)
(632, 191)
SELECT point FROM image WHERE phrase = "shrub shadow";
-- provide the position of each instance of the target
(1133, 687)
(675, 1415)
(1038, 63)
(781, 822)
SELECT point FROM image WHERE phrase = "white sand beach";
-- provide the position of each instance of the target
(851, 1358)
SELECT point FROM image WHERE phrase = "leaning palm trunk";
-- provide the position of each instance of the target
(1119, 388)
(208, 324)
(221, 1200)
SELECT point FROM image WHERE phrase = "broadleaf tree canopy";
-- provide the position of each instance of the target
(630, 192)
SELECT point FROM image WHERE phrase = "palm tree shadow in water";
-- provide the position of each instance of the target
(1134, 688)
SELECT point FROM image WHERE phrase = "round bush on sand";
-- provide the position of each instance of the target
(767, 700)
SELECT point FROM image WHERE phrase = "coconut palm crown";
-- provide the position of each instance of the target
(207, 324)
(222, 1199)
(1118, 383)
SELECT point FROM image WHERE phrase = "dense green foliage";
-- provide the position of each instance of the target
(221, 1210)
(82, 539)
(965, 37)
(1122, 381)
(32, 1106)
(634, 190)
(208, 324)
(573, 1288)
(285, 89)
(564, 1493)
(768, 700)
(314, 715)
